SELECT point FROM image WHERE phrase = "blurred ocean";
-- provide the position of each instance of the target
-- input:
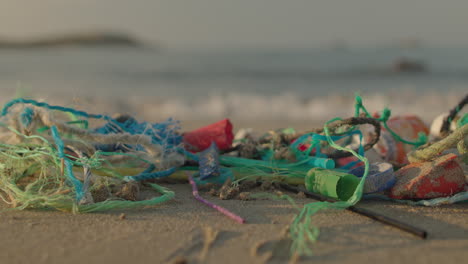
(292, 84)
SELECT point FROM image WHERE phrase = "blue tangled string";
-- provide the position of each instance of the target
(188, 154)
(52, 107)
(68, 166)
(149, 176)
(160, 133)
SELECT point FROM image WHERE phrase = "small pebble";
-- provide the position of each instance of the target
(100, 193)
(245, 196)
(266, 186)
(122, 217)
(301, 195)
(213, 192)
(248, 185)
(228, 192)
(129, 191)
(180, 260)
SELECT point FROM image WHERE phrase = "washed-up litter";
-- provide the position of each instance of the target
(202, 138)
(333, 184)
(441, 177)
(381, 177)
(409, 127)
(66, 159)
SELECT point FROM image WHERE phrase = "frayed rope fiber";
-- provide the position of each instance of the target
(38, 174)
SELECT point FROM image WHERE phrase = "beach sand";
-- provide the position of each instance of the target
(177, 231)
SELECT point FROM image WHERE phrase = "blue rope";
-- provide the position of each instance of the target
(160, 133)
(52, 107)
(150, 169)
(68, 167)
(149, 176)
(188, 154)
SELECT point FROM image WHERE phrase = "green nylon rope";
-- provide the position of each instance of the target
(302, 231)
(386, 113)
(30, 177)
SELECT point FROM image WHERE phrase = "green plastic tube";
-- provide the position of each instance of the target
(333, 184)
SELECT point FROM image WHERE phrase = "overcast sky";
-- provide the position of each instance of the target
(217, 23)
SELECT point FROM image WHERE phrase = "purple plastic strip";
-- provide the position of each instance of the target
(214, 206)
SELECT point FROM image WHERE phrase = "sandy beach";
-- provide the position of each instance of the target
(176, 231)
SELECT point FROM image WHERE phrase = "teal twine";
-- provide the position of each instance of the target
(68, 167)
(151, 168)
(52, 107)
(385, 116)
(463, 120)
(422, 138)
(188, 154)
(302, 230)
(149, 176)
(135, 129)
(314, 144)
(315, 139)
(457, 109)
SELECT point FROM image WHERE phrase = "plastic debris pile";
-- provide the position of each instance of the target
(51, 157)
(44, 146)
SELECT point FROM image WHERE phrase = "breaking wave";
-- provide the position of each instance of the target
(243, 106)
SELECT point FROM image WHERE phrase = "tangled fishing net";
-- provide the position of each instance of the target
(44, 146)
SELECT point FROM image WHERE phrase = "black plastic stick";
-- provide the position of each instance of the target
(364, 212)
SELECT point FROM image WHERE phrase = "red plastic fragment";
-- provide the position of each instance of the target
(439, 178)
(303, 147)
(219, 132)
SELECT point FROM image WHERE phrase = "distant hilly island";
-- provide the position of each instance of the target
(92, 39)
